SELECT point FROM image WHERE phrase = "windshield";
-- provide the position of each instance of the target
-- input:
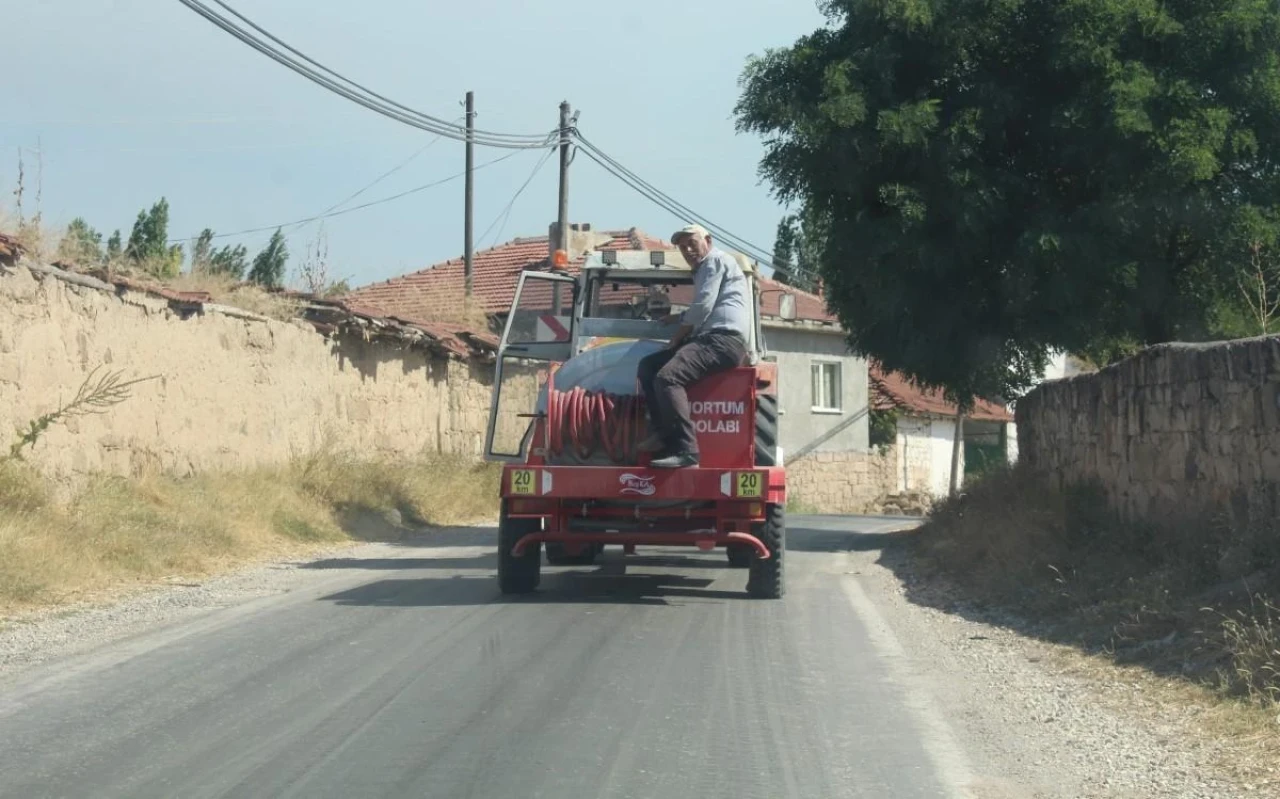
(613, 297)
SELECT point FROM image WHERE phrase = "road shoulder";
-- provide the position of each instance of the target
(1035, 714)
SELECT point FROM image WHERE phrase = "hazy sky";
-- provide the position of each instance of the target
(129, 100)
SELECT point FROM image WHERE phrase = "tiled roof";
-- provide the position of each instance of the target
(438, 290)
(10, 249)
(892, 390)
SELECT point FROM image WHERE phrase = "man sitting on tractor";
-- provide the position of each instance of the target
(712, 338)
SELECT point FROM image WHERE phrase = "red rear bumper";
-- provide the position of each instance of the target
(642, 484)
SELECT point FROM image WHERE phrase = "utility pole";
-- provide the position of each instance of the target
(956, 443)
(562, 218)
(469, 198)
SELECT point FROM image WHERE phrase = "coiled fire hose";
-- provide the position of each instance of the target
(592, 421)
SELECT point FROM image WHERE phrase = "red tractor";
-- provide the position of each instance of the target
(567, 414)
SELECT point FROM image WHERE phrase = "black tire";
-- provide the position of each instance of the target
(766, 576)
(740, 555)
(766, 430)
(556, 555)
(518, 575)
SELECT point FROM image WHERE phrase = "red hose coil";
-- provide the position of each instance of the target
(589, 422)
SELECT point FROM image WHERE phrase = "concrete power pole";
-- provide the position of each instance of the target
(468, 248)
(562, 225)
(562, 217)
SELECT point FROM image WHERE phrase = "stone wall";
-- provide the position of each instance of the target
(1173, 432)
(230, 392)
(841, 482)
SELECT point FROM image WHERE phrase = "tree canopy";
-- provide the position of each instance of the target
(1000, 178)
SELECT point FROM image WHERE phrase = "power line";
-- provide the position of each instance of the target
(505, 214)
(383, 176)
(369, 204)
(305, 57)
(670, 204)
(353, 91)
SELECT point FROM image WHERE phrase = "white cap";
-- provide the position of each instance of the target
(689, 230)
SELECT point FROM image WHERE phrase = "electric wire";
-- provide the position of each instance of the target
(666, 202)
(505, 214)
(360, 94)
(362, 206)
(310, 60)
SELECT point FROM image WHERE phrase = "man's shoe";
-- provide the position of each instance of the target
(651, 444)
(679, 461)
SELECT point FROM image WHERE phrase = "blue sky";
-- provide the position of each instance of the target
(129, 100)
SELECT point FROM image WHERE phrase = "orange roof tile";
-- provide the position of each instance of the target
(892, 390)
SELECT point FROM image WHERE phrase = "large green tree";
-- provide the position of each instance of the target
(1003, 177)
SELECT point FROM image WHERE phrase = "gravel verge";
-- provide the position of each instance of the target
(1040, 715)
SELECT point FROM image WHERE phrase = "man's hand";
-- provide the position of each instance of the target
(679, 337)
(671, 318)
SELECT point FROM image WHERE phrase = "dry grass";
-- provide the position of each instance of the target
(120, 532)
(1128, 595)
(38, 239)
(246, 296)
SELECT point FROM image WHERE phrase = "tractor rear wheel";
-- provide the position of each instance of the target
(766, 576)
(767, 430)
(740, 555)
(518, 575)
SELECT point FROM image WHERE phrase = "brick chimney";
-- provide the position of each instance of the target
(582, 239)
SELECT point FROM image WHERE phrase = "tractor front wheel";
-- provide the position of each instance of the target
(518, 575)
(765, 580)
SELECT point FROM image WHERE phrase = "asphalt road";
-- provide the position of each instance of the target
(412, 677)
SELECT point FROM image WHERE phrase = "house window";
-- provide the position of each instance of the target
(826, 386)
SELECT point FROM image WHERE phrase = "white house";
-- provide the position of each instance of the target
(923, 433)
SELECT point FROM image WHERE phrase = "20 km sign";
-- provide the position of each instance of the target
(749, 484)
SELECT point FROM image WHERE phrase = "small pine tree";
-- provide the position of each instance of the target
(229, 261)
(149, 242)
(202, 252)
(268, 265)
(81, 244)
(114, 247)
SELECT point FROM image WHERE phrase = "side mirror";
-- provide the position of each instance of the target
(787, 306)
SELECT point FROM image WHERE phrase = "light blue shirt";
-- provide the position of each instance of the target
(720, 297)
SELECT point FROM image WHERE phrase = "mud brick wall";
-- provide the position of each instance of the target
(1175, 431)
(841, 482)
(232, 392)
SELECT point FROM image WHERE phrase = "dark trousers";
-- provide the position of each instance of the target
(665, 376)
